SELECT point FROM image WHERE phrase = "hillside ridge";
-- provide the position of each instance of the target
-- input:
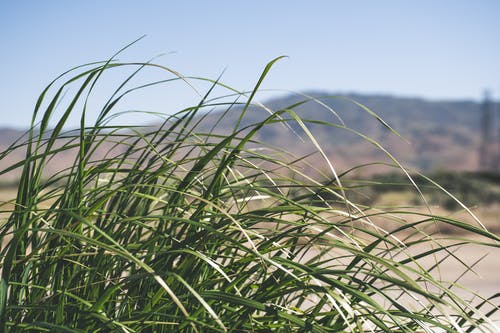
(439, 134)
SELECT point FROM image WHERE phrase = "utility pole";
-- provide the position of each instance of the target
(485, 153)
(496, 127)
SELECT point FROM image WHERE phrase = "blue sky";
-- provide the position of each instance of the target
(433, 49)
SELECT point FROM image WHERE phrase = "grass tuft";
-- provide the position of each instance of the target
(179, 227)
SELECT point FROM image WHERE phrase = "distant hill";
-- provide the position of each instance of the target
(441, 134)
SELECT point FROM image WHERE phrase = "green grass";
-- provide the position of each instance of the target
(180, 229)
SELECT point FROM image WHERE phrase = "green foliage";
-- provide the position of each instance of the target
(471, 188)
(178, 228)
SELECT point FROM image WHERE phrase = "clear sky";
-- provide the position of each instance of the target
(447, 49)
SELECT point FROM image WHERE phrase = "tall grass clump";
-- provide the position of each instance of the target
(178, 227)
